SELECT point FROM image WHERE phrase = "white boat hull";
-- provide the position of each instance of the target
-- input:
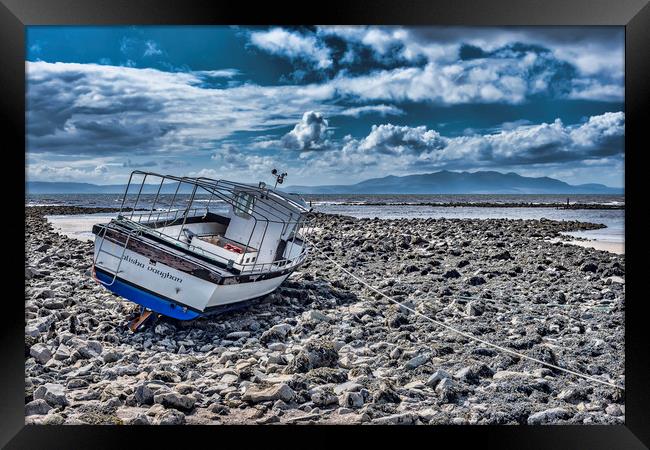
(137, 273)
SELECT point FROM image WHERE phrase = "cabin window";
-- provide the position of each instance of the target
(243, 204)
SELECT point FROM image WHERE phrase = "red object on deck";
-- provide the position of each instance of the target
(233, 248)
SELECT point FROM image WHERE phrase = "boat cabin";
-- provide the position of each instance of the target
(257, 233)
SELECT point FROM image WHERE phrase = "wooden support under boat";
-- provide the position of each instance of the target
(138, 321)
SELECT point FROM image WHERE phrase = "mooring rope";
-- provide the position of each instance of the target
(462, 333)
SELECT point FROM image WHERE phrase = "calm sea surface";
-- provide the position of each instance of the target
(396, 206)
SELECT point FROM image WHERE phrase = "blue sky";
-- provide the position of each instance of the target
(325, 104)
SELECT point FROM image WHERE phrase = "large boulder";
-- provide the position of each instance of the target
(256, 394)
(37, 407)
(175, 400)
(143, 395)
(53, 394)
(41, 353)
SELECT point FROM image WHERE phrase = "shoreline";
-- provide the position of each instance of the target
(321, 350)
(576, 206)
(65, 215)
(606, 246)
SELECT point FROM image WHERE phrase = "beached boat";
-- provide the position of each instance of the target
(208, 246)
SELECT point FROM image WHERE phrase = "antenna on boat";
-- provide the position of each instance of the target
(279, 178)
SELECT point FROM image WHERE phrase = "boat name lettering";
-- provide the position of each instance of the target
(161, 273)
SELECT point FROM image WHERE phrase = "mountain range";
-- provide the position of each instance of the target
(447, 182)
(443, 182)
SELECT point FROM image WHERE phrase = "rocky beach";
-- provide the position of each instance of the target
(325, 349)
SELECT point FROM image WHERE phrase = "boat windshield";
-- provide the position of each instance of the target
(243, 204)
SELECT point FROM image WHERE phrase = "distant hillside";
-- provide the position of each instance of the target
(446, 182)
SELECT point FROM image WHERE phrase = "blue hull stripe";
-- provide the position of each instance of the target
(145, 298)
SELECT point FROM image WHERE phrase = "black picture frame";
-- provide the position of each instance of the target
(15, 15)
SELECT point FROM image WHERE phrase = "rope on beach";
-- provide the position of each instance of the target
(462, 333)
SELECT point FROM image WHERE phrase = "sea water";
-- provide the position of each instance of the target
(370, 206)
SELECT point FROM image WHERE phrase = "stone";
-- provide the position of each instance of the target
(452, 273)
(277, 346)
(548, 416)
(505, 374)
(276, 333)
(273, 418)
(53, 419)
(139, 419)
(317, 316)
(321, 398)
(476, 281)
(175, 400)
(37, 407)
(52, 393)
(41, 353)
(111, 356)
(589, 267)
(472, 374)
(229, 378)
(436, 377)
(348, 386)
(417, 361)
(614, 410)
(76, 383)
(386, 394)
(218, 408)
(169, 417)
(143, 395)
(90, 349)
(396, 419)
(315, 354)
(238, 335)
(505, 255)
(351, 400)
(165, 329)
(571, 395)
(255, 394)
(62, 353)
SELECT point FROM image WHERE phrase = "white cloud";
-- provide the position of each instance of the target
(151, 49)
(390, 149)
(382, 110)
(293, 45)
(396, 140)
(308, 134)
(595, 90)
(223, 73)
(598, 60)
(451, 84)
(89, 109)
(101, 169)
